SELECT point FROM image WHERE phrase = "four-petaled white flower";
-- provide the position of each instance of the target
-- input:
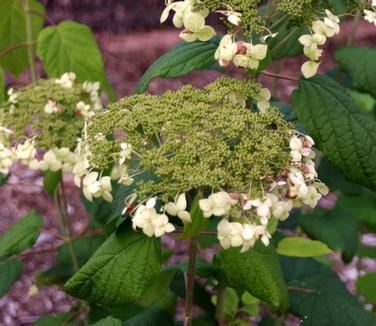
(179, 208)
(230, 234)
(50, 162)
(218, 204)
(370, 16)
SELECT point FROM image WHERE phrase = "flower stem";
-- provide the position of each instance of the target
(354, 28)
(29, 37)
(190, 279)
(274, 75)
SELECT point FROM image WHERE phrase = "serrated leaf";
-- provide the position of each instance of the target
(51, 180)
(100, 279)
(198, 224)
(184, 58)
(22, 235)
(318, 297)
(360, 64)
(337, 228)
(13, 32)
(58, 320)
(300, 247)
(71, 46)
(258, 272)
(344, 133)
(366, 286)
(157, 289)
(10, 271)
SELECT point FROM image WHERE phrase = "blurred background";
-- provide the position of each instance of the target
(131, 39)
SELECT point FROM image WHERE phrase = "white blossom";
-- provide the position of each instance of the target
(218, 204)
(179, 208)
(67, 80)
(230, 234)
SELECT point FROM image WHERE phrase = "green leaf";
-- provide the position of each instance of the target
(184, 58)
(71, 46)
(119, 272)
(21, 235)
(286, 44)
(109, 321)
(344, 133)
(300, 247)
(198, 224)
(58, 320)
(10, 271)
(230, 303)
(364, 101)
(257, 271)
(13, 32)
(366, 251)
(366, 285)
(3, 179)
(337, 228)
(157, 289)
(362, 207)
(51, 180)
(360, 64)
(318, 297)
(2, 85)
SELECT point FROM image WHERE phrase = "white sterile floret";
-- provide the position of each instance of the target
(92, 89)
(312, 197)
(230, 234)
(370, 16)
(309, 68)
(252, 233)
(80, 169)
(313, 53)
(12, 96)
(179, 208)
(232, 16)
(50, 162)
(25, 152)
(6, 159)
(281, 209)
(226, 51)
(312, 40)
(67, 80)
(218, 204)
(97, 188)
(262, 99)
(252, 57)
(195, 28)
(51, 107)
(84, 109)
(125, 153)
(151, 223)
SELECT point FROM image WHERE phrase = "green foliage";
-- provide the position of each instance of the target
(344, 133)
(13, 32)
(137, 256)
(21, 236)
(318, 296)
(366, 285)
(184, 58)
(360, 64)
(198, 224)
(300, 247)
(71, 46)
(338, 228)
(258, 272)
(2, 85)
(10, 271)
(51, 180)
(109, 321)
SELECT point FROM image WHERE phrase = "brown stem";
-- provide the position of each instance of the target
(220, 307)
(354, 28)
(274, 75)
(15, 47)
(44, 16)
(190, 280)
(295, 289)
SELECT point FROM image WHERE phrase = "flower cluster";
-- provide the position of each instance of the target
(254, 164)
(321, 31)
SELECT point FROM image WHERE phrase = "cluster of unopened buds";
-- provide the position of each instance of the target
(370, 15)
(321, 30)
(246, 219)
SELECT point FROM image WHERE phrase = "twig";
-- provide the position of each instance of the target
(15, 47)
(190, 279)
(220, 307)
(354, 28)
(29, 36)
(44, 16)
(274, 75)
(296, 289)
